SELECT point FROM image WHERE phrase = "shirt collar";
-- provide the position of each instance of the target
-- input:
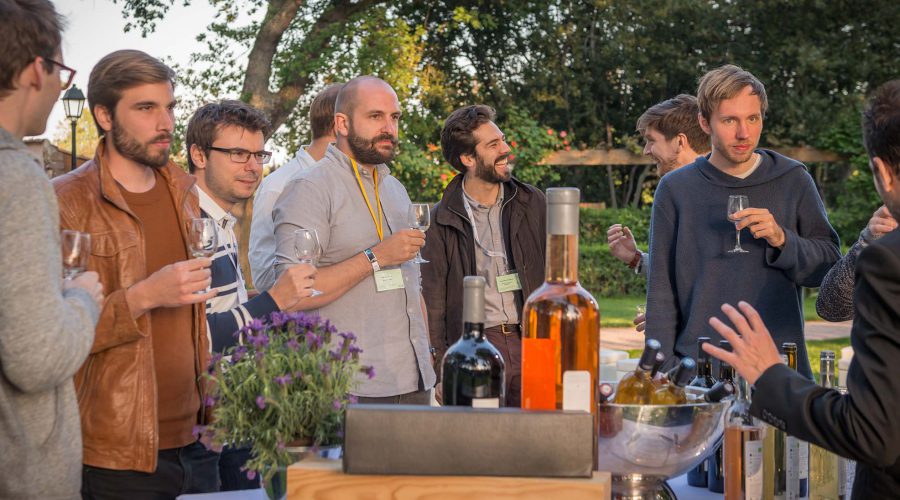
(477, 204)
(211, 208)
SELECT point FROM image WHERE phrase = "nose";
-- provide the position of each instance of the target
(167, 120)
(647, 149)
(504, 148)
(742, 130)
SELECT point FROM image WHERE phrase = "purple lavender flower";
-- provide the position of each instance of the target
(257, 325)
(353, 399)
(369, 371)
(297, 374)
(261, 402)
(198, 431)
(260, 340)
(209, 401)
(353, 350)
(293, 344)
(336, 404)
(335, 355)
(238, 354)
(325, 368)
(251, 475)
(283, 380)
(314, 341)
(278, 319)
(347, 336)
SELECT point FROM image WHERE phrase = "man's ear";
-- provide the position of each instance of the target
(704, 124)
(341, 125)
(468, 161)
(103, 117)
(884, 175)
(682, 142)
(198, 157)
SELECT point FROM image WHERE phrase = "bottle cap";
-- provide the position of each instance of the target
(724, 344)
(473, 299)
(562, 210)
(685, 372)
(651, 347)
(718, 392)
(657, 363)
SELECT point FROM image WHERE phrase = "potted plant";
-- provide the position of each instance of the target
(285, 386)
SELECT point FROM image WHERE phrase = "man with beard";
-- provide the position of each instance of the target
(693, 264)
(225, 142)
(673, 138)
(488, 224)
(139, 390)
(362, 217)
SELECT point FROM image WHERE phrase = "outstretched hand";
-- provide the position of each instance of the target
(753, 351)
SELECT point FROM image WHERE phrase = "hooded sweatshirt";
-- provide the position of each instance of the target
(692, 274)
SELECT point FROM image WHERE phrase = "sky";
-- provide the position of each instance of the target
(96, 28)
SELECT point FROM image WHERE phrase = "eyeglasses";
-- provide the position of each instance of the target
(66, 74)
(243, 156)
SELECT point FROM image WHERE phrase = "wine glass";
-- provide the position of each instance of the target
(76, 248)
(306, 244)
(420, 218)
(203, 239)
(736, 203)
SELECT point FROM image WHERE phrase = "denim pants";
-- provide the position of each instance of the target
(189, 469)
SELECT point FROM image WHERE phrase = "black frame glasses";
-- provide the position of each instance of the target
(64, 81)
(239, 155)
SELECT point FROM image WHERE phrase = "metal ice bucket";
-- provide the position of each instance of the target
(643, 445)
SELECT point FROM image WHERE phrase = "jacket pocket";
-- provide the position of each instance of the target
(111, 243)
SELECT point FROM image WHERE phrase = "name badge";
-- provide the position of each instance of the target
(508, 283)
(388, 279)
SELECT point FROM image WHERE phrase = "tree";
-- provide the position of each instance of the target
(87, 138)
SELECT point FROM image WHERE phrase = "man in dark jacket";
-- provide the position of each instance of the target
(487, 224)
(863, 424)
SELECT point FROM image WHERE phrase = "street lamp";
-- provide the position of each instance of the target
(73, 102)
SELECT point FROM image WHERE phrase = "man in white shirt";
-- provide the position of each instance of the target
(262, 227)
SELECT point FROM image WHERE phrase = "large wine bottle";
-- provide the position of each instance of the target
(846, 469)
(561, 338)
(743, 449)
(673, 392)
(698, 476)
(715, 465)
(796, 451)
(472, 370)
(823, 465)
(637, 387)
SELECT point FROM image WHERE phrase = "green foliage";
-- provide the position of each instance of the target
(599, 272)
(282, 385)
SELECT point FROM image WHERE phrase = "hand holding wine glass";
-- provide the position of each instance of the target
(420, 218)
(737, 203)
(76, 248)
(306, 244)
(203, 239)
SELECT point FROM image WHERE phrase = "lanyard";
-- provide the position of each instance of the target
(378, 220)
(489, 253)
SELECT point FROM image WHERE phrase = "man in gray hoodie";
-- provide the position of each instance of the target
(46, 324)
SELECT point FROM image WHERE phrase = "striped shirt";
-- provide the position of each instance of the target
(230, 309)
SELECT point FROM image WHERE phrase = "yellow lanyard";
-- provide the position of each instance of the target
(378, 225)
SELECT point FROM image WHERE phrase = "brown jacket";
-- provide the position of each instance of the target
(450, 249)
(116, 386)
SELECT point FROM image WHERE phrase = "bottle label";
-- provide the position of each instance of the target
(851, 475)
(486, 403)
(577, 390)
(753, 470)
(842, 477)
(804, 460)
(538, 374)
(792, 467)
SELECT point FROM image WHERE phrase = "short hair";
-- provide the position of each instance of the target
(725, 83)
(348, 98)
(28, 29)
(120, 71)
(321, 111)
(881, 125)
(211, 118)
(676, 116)
(457, 136)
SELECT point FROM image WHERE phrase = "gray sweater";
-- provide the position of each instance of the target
(45, 335)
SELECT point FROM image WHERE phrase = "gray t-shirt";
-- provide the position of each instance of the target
(390, 325)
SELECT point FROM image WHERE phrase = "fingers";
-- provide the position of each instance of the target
(753, 317)
(641, 327)
(721, 354)
(196, 298)
(726, 332)
(640, 318)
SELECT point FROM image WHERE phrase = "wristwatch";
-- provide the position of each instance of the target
(372, 260)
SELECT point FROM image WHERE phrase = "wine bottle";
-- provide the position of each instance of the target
(659, 378)
(721, 390)
(472, 368)
(823, 465)
(673, 392)
(606, 392)
(784, 485)
(636, 387)
(846, 469)
(699, 475)
(797, 459)
(743, 449)
(715, 467)
(561, 337)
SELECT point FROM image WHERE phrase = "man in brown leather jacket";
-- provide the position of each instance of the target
(139, 392)
(488, 224)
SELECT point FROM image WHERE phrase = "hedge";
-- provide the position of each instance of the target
(599, 272)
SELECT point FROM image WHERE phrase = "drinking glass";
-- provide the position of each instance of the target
(420, 218)
(203, 239)
(306, 244)
(76, 248)
(736, 203)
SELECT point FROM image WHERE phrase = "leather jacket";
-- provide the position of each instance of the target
(116, 387)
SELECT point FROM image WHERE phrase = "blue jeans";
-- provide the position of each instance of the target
(233, 478)
(189, 469)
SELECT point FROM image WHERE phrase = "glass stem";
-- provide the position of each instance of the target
(737, 238)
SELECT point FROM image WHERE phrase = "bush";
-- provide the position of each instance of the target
(599, 272)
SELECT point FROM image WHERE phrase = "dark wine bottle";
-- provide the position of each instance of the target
(715, 465)
(698, 475)
(472, 369)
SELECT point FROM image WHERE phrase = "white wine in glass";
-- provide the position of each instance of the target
(306, 245)
(736, 203)
(420, 218)
(76, 248)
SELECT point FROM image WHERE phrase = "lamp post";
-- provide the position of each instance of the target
(73, 102)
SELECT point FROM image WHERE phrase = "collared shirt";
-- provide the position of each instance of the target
(229, 310)
(491, 260)
(390, 325)
(262, 227)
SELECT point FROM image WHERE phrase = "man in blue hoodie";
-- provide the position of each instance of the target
(788, 239)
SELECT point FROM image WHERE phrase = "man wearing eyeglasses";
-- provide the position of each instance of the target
(225, 142)
(48, 324)
(140, 391)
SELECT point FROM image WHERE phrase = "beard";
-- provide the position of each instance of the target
(664, 166)
(488, 172)
(131, 148)
(366, 151)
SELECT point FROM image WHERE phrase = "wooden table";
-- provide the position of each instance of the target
(321, 479)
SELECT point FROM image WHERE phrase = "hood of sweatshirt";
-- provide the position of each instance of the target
(773, 166)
